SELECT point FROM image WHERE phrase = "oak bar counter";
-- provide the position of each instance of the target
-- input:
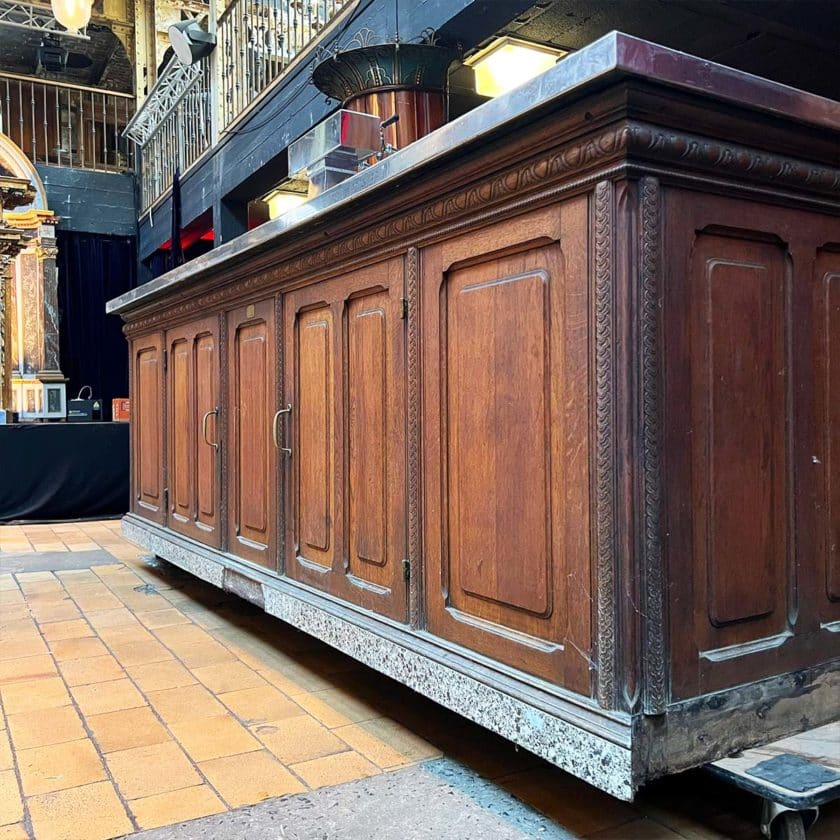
(539, 416)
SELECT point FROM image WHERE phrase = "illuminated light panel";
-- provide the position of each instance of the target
(281, 201)
(508, 63)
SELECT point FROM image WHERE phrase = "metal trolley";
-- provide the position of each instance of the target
(793, 776)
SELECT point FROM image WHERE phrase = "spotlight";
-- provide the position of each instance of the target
(190, 42)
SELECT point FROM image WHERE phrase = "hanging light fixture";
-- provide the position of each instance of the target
(73, 15)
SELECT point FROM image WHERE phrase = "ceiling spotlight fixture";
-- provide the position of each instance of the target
(73, 15)
(509, 62)
(190, 42)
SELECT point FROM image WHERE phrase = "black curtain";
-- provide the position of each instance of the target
(92, 269)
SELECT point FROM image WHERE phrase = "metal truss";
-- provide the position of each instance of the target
(172, 84)
(35, 19)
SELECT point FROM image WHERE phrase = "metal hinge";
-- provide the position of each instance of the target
(407, 569)
(404, 308)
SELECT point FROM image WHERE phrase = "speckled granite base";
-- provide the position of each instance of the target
(595, 759)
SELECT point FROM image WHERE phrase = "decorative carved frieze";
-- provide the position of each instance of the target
(605, 445)
(653, 580)
(528, 183)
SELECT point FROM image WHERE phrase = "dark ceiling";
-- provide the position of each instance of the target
(107, 66)
(796, 42)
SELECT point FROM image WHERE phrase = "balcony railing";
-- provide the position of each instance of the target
(67, 125)
(189, 106)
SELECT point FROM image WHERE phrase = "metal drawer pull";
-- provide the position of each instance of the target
(213, 413)
(275, 429)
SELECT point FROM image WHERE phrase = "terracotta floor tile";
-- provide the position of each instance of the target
(14, 612)
(184, 637)
(126, 729)
(228, 676)
(59, 766)
(140, 602)
(124, 634)
(176, 806)
(168, 617)
(382, 753)
(17, 648)
(260, 704)
(156, 676)
(298, 739)
(214, 737)
(93, 669)
(30, 577)
(7, 581)
(145, 771)
(74, 629)
(11, 807)
(335, 769)
(45, 727)
(37, 586)
(249, 778)
(14, 832)
(28, 668)
(96, 601)
(7, 760)
(642, 829)
(140, 653)
(54, 611)
(293, 681)
(118, 617)
(186, 703)
(10, 597)
(335, 707)
(92, 812)
(29, 696)
(201, 656)
(102, 697)
(84, 546)
(79, 648)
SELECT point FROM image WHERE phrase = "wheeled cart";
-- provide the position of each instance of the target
(793, 776)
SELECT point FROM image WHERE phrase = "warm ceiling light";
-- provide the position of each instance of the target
(281, 201)
(508, 63)
(73, 15)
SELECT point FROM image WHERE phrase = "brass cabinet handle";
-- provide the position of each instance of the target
(275, 429)
(214, 413)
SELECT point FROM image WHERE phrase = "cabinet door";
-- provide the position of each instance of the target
(147, 427)
(346, 515)
(505, 443)
(193, 415)
(252, 456)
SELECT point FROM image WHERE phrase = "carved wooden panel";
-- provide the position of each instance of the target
(182, 431)
(507, 444)
(315, 433)
(738, 396)
(827, 370)
(147, 426)
(193, 464)
(346, 509)
(252, 456)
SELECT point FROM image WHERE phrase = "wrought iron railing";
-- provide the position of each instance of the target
(188, 107)
(67, 125)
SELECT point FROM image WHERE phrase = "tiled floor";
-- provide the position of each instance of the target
(134, 696)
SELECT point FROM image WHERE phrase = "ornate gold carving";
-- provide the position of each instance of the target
(605, 445)
(653, 627)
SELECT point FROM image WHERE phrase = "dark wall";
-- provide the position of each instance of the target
(92, 269)
(93, 202)
(250, 159)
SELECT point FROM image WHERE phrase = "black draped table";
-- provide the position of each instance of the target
(63, 470)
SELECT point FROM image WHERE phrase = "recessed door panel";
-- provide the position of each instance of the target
(147, 427)
(346, 507)
(193, 420)
(505, 390)
(252, 454)
(316, 444)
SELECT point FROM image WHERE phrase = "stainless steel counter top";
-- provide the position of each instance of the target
(614, 54)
